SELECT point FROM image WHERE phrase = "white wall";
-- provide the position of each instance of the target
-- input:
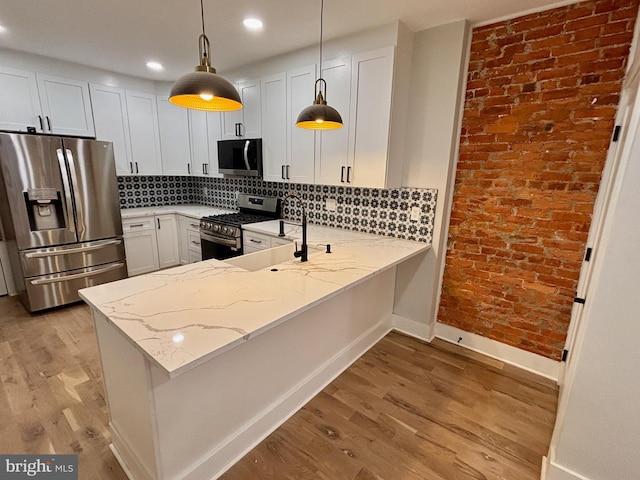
(60, 68)
(436, 93)
(597, 436)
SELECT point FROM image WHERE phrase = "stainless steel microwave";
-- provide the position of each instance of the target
(240, 157)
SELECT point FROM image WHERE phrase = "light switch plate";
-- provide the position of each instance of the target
(205, 191)
(415, 214)
(330, 204)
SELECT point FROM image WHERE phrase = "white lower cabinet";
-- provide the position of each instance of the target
(151, 243)
(255, 242)
(189, 239)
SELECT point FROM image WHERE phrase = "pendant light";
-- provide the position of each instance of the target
(203, 89)
(319, 115)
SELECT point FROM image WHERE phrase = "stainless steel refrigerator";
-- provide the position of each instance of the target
(60, 213)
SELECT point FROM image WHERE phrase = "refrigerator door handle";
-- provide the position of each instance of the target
(74, 276)
(66, 251)
(79, 211)
(67, 191)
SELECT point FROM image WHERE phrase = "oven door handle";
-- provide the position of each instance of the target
(219, 240)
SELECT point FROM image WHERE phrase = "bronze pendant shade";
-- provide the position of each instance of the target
(319, 115)
(204, 89)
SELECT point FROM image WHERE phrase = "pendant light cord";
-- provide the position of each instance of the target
(205, 51)
(321, 28)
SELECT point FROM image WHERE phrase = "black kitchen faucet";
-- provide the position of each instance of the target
(303, 253)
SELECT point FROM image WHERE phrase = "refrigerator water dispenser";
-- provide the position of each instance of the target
(44, 209)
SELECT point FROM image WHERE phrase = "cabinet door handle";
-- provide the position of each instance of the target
(131, 166)
(41, 124)
(288, 172)
(204, 169)
(158, 220)
(136, 225)
(189, 168)
(195, 225)
(194, 242)
(342, 174)
(348, 174)
(137, 171)
(255, 241)
(282, 173)
(49, 122)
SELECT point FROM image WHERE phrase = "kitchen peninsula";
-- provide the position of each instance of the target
(202, 361)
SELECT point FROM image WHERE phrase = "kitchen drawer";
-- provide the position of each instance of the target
(193, 240)
(138, 224)
(255, 241)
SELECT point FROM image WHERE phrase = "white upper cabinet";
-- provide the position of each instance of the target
(274, 127)
(214, 134)
(301, 143)
(47, 104)
(199, 142)
(66, 106)
(246, 122)
(333, 145)
(112, 123)
(19, 101)
(175, 141)
(143, 128)
(371, 93)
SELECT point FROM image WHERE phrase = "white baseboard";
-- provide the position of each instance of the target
(552, 471)
(128, 460)
(289, 404)
(421, 331)
(506, 353)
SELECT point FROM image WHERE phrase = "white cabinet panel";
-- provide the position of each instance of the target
(189, 239)
(167, 236)
(214, 134)
(274, 127)
(199, 142)
(301, 143)
(66, 106)
(47, 104)
(141, 245)
(19, 100)
(143, 128)
(249, 117)
(333, 145)
(175, 147)
(372, 78)
(150, 243)
(112, 123)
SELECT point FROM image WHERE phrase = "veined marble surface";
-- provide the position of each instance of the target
(193, 211)
(181, 317)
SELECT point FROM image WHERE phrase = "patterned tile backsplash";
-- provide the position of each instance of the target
(372, 210)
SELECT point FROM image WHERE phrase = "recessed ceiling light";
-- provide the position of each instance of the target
(2, 29)
(253, 23)
(155, 66)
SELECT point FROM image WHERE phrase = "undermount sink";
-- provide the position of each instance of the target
(268, 258)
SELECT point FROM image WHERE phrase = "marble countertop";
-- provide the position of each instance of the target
(193, 211)
(182, 317)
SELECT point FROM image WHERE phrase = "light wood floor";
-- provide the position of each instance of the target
(406, 410)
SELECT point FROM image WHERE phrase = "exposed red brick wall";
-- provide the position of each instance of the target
(541, 98)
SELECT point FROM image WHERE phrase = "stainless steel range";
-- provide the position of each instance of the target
(221, 235)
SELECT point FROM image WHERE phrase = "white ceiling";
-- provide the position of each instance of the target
(121, 35)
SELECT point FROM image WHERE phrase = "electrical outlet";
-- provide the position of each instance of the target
(236, 194)
(205, 191)
(330, 205)
(415, 214)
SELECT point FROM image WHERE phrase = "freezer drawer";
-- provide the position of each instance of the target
(45, 261)
(61, 288)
